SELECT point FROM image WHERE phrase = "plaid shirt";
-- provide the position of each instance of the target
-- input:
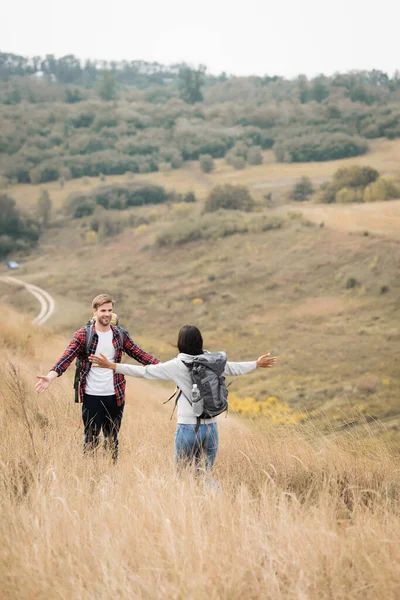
(77, 349)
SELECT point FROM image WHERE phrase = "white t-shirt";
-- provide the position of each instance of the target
(100, 382)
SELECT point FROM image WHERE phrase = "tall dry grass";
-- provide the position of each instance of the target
(298, 516)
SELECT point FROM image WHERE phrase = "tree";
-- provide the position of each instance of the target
(17, 230)
(190, 83)
(354, 177)
(303, 89)
(302, 190)
(229, 197)
(207, 163)
(43, 208)
(254, 156)
(319, 90)
(107, 86)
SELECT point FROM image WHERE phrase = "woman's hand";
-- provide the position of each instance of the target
(266, 361)
(102, 362)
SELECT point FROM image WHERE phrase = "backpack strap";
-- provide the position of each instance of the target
(89, 328)
(177, 391)
(78, 363)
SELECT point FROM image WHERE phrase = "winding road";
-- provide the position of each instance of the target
(47, 304)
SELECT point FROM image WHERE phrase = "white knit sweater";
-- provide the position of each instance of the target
(174, 370)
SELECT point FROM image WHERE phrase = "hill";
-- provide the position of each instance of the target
(319, 297)
(298, 514)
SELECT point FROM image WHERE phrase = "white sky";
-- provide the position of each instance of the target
(282, 37)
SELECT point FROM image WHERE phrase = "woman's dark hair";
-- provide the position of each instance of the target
(190, 340)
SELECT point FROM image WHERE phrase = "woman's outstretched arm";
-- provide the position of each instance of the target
(164, 371)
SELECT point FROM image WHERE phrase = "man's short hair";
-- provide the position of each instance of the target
(100, 300)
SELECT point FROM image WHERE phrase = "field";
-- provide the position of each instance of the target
(322, 298)
(298, 515)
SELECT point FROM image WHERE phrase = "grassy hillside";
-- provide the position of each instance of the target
(299, 515)
(325, 299)
(271, 176)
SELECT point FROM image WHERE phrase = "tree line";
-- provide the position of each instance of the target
(95, 117)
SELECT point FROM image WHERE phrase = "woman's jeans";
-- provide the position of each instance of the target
(202, 445)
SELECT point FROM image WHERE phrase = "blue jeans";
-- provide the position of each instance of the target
(201, 445)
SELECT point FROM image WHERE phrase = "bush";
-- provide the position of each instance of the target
(347, 185)
(254, 156)
(74, 202)
(114, 197)
(230, 197)
(86, 144)
(17, 230)
(348, 195)
(106, 225)
(302, 190)
(108, 162)
(215, 226)
(319, 147)
(381, 189)
(44, 172)
(353, 177)
(207, 163)
(235, 161)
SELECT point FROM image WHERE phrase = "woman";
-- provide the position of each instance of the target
(191, 440)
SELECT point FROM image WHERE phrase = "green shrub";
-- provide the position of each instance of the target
(353, 177)
(86, 144)
(45, 172)
(229, 197)
(302, 190)
(207, 163)
(18, 231)
(109, 162)
(254, 156)
(235, 161)
(319, 147)
(115, 197)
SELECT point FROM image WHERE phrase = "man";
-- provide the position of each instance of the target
(101, 391)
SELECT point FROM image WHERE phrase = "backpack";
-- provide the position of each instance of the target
(207, 371)
(89, 329)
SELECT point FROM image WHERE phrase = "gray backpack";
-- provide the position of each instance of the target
(207, 371)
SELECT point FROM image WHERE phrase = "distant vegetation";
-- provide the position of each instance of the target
(18, 231)
(215, 226)
(114, 197)
(62, 119)
(357, 184)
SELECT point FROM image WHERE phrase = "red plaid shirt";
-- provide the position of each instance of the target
(77, 349)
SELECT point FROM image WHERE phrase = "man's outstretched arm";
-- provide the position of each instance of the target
(62, 365)
(137, 353)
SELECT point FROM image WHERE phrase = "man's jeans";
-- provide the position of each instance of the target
(202, 445)
(101, 413)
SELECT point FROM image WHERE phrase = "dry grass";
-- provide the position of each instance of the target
(299, 515)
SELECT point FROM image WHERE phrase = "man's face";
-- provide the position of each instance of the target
(103, 314)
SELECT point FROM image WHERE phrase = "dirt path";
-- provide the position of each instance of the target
(47, 304)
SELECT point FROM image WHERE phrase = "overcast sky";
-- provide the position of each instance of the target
(282, 37)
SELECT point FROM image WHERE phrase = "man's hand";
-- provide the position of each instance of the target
(102, 362)
(43, 383)
(266, 361)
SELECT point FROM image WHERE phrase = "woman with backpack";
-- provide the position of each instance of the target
(196, 434)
